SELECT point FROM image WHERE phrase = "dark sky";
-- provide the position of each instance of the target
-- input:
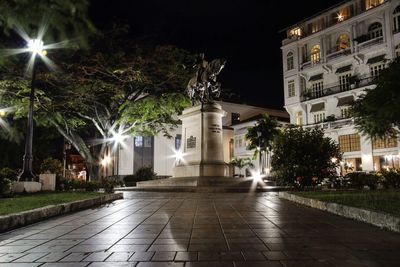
(244, 32)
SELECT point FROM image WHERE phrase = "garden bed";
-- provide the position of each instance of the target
(380, 208)
(36, 207)
(25, 202)
(387, 201)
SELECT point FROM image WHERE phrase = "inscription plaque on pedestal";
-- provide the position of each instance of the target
(191, 142)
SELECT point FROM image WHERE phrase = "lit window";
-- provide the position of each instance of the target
(319, 117)
(295, 32)
(387, 142)
(342, 14)
(317, 89)
(397, 50)
(372, 3)
(138, 141)
(396, 19)
(343, 42)
(291, 89)
(299, 118)
(345, 112)
(375, 31)
(344, 82)
(178, 142)
(376, 69)
(290, 61)
(349, 142)
(316, 26)
(316, 54)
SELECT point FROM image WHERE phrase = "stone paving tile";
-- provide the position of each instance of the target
(200, 229)
(11, 256)
(19, 264)
(66, 264)
(97, 256)
(120, 256)
(163, 256)
(75, 257)
(53, 257)
(113, 264)
(31, 257)
(160, 264)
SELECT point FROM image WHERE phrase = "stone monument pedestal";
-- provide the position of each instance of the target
(202, 162)
(202, 144)
(27, 187)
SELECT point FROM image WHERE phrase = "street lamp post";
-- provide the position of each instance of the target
(35, 47)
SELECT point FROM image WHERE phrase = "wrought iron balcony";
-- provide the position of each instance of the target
(335, 88)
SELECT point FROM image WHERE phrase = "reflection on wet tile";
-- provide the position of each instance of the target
(199, 229)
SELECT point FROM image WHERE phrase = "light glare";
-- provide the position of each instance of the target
(36, 46)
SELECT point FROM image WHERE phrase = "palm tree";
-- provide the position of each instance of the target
(241, 163)
(261, 137)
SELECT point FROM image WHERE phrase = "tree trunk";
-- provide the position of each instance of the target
(83, 150)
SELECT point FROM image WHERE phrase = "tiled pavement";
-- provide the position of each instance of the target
(199, 229)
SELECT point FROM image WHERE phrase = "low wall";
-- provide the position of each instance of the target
(382, 220)
(9, 222)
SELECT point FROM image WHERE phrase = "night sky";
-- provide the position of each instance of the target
(244, 32)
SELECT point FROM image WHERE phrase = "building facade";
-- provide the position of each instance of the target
(161, 153)
(329, 60)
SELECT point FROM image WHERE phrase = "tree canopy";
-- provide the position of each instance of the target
(377, 112)
(64, 19)
(118, 86)
(301, 154)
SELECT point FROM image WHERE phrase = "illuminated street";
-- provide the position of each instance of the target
(199, 229)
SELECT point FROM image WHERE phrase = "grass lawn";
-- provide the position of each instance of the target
(32, 201)
(382, 201)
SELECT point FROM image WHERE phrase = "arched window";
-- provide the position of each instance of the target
(396, 19)
(375, 30)
(343, 42)
(316, 54)
(290, 61)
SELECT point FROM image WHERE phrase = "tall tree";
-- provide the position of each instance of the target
(377, 112)
(261, 138)
(302, 154)
(118, 86)
(63, 19)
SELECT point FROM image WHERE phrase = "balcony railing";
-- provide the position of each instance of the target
(370, 42)
(335, 88)
(334, 53)
(336, 124)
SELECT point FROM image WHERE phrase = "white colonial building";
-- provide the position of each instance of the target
(329, 60)
(161, 153)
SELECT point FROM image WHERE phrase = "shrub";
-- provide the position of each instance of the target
(91, 186)
(8, 174)
(143, 174)
(107, 185)
(360, 179)
(51, 165)
(391, 179)
(5, 187)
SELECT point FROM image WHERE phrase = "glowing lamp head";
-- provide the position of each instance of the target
(178, 155)
(2, 113)
(340, 17)
(36, 46)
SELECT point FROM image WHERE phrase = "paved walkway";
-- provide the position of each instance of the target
(195, 229)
